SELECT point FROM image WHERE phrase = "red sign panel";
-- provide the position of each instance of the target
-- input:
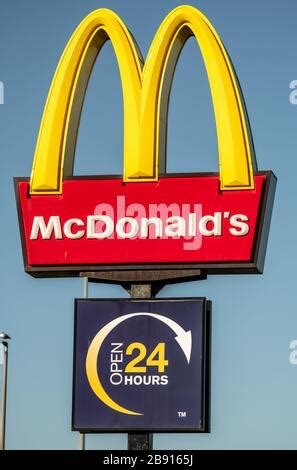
(176, 220)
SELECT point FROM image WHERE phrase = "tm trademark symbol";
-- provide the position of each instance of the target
(182, 414)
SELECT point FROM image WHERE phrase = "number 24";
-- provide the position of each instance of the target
(155, 359)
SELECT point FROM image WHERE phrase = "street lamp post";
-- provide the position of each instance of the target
(82, 436)
(4, 340)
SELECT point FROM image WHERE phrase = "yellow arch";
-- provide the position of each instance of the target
(145, 96)
(236, 154)
(54, 154)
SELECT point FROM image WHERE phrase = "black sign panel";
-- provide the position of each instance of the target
(141, 365)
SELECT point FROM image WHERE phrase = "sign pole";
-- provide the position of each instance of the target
(82, 436)
(141, 440)
(4, 395)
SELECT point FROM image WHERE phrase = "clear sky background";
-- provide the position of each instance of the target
(254, 317)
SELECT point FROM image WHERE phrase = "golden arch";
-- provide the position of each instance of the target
(145, 96)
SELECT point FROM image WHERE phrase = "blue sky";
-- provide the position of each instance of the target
(254, 317)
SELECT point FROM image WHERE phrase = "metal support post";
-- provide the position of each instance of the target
(140, 440)
(82, 436)
(4, 395)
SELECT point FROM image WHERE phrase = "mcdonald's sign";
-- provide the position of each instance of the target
(145, 218)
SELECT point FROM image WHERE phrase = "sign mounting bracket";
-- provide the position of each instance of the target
(156, 279)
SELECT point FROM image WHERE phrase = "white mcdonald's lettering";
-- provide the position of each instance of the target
(91, 226)
(68, 229)
(46, 231)
(241, 228)
(102, 226)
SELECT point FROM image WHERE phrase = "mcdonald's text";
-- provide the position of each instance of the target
(97, 222)
(129, 227)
